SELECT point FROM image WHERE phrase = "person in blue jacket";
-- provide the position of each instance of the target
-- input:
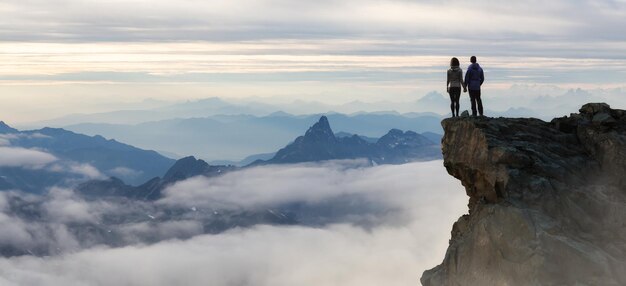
(474, 78)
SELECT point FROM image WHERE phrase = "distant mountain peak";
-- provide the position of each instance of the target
(323, 122)
(397, 138)
(4, 128)
(185, 168)
(320, 131)
(320, 143)
(395, 131)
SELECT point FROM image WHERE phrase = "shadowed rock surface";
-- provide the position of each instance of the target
(547, 200)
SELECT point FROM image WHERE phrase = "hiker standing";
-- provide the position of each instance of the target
(474, 78)
(454, 84)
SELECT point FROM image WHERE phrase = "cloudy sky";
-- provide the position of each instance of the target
(70, 56)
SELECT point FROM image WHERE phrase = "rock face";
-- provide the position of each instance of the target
(547, 200)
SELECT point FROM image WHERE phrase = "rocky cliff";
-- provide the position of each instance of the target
(547, 200)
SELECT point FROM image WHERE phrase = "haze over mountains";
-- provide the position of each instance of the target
(525, 100)
(64, 158)
(238, 136)
(318, 144)
(229, 126)
(84, 208)
(57, 157)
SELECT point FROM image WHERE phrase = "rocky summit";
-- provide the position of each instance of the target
(319, 143)
(547, 200)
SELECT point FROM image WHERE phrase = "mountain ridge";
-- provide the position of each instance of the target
(319, 143)
(106, 155)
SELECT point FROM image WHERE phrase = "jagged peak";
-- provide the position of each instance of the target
(322, 123)
(320, 130)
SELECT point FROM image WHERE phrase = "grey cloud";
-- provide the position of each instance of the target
(136, 233)
(14, 231)
(62, 206)
(83, 171)
(125, 172)
(393, 252)
(271, 19)
(340, 255)
(267, 186)
(86, 170)
(26, 158)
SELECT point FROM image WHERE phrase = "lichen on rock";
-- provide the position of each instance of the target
(547, 200)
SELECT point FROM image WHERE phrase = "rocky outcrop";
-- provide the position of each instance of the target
(547, 201)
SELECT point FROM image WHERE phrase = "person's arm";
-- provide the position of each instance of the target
(462, 81)
(482, 77)
(467, 73)
(448, 82)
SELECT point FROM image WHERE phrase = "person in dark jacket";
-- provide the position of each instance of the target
(454, 84)
(474, 78)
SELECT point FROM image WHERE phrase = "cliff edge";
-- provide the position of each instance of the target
(547, 200)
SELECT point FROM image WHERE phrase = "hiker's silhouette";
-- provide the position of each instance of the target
(474, 78)
(454, 84)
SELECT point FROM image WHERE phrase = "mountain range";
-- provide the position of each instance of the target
(320, 143)
(435, 105)
(233, 137)
(151, 190)
(68, 152)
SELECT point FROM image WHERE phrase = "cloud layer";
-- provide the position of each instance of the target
(270, 19)
(332, 51)
(421, 201)
(26, 158)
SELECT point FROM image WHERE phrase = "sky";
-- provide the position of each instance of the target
(75, 56)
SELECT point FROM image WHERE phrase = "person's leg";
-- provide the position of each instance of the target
(457, 105)
(480, 103)
(451, 102)
(455, 93)
(472, 95)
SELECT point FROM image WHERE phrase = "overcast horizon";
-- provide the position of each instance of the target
(75, 56)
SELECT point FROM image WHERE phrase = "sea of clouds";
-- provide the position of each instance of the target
(409, 210)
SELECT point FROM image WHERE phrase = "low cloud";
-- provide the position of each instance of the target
(86, 170)
(266, 186)
(124, 172)
(265, 255)
(63, 206)
(392, 252)
(83, 170)
(25, 158)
